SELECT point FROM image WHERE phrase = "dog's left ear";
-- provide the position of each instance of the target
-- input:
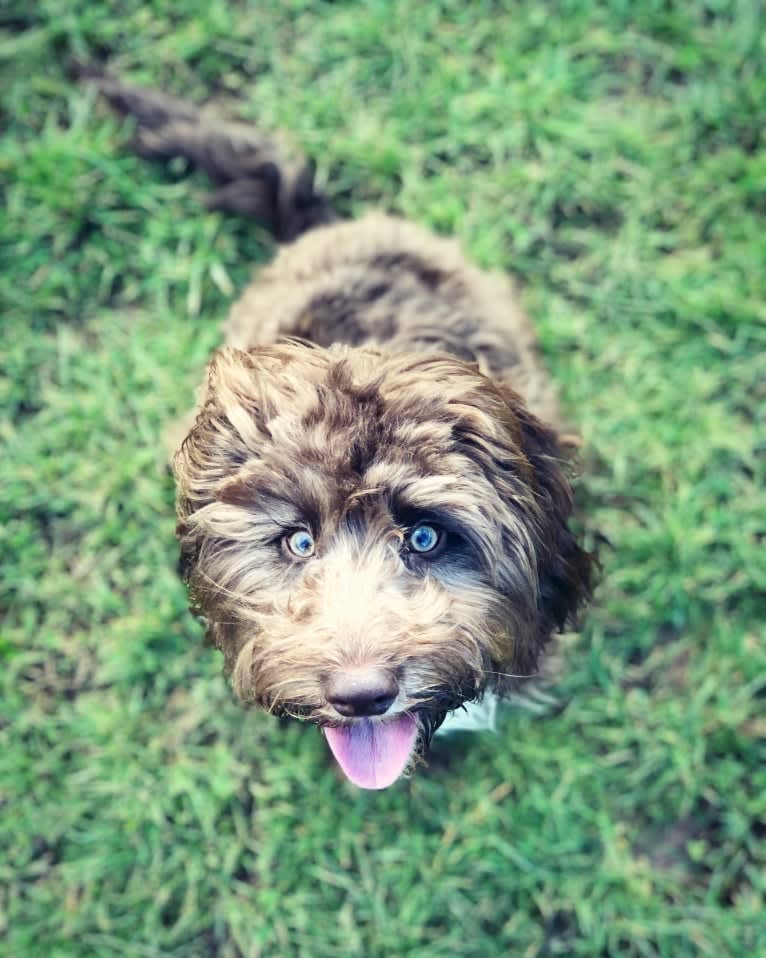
(565, 569)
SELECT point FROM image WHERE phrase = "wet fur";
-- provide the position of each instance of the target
(371, 377)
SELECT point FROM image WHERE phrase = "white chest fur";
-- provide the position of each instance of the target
(472, 717)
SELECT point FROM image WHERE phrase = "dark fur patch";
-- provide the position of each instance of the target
(396, 263)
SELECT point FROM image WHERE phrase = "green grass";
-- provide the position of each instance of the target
(609, 154)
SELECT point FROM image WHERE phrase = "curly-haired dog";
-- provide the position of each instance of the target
(373, 502)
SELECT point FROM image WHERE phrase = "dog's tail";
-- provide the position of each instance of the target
(255, 175)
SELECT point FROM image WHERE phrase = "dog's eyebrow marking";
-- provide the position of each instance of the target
(236, 523)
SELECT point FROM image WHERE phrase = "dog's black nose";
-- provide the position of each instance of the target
(358, 693)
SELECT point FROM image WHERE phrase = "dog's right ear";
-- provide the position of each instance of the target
(234, 377)
(242, 397)
(225, 433)
(243, 391)
(261, 379)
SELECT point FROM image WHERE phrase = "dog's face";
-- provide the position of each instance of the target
(374, 539)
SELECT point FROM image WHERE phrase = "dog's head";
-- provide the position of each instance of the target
(374, 540)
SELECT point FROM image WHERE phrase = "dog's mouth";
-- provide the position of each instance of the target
(373, 753)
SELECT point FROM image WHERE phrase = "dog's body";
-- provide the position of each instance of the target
(373, 508)
(386, 283)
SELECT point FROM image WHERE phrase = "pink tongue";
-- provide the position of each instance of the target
(373, 754)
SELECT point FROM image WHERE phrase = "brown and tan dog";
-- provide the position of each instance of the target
(373, 502)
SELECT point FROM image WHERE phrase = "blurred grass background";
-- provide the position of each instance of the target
(609, 154)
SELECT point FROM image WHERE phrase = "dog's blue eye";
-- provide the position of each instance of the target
(424, 538)
(301, 544)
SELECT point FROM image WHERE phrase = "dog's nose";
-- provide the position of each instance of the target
(355, 694)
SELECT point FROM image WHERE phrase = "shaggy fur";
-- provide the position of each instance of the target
(372, 380)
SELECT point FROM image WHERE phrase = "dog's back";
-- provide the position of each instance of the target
(382, 281)
(375, 281)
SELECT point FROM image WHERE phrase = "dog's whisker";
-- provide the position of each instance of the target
(242, 598)
(511, 675)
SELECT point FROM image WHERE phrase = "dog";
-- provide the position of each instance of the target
(374, 500)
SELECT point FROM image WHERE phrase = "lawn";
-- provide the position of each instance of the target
(611, 156)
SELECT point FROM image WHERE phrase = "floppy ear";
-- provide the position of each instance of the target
(212, 448)
(244, 390)
(223, 433)
(565, 569)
